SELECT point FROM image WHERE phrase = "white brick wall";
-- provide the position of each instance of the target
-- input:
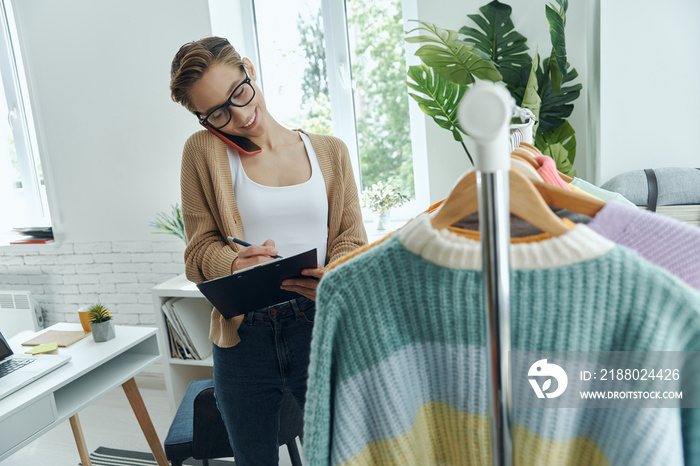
(118, 274)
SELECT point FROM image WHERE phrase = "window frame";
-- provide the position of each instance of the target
(335, 32)
(22, 130)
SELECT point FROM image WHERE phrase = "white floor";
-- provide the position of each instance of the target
(107, 423)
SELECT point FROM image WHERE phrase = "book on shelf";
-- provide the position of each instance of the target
(171, 340)
(33, 235)
(177, 347)
(180, 329)
(194, 315)
(32, 241)
(187, 321)
(177, 335)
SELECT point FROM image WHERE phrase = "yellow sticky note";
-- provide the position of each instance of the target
(45, 348)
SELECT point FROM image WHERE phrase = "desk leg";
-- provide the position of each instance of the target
(139, 408)
(80, 440)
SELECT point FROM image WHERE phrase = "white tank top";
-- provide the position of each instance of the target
(295, 217)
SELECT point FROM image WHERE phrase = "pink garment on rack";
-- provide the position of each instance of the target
(548, 171)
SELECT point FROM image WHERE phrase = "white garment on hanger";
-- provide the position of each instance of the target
(525, 169)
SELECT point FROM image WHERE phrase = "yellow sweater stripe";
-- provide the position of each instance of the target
(442, 434)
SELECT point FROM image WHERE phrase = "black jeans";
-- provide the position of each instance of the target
(251, 378)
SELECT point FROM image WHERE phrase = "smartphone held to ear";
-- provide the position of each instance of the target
(243, 145)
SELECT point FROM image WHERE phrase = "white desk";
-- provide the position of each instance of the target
(94, 370)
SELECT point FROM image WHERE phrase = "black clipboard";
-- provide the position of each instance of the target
(258, 286)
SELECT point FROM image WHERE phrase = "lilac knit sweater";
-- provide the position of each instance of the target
(666, 242)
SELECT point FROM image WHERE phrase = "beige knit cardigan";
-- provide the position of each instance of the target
(210, 213)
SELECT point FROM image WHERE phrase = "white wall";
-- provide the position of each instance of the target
(446, 158)
(111, 141)
(110, 137)
(650, 85)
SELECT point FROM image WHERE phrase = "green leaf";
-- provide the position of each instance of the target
(440, 97)
(559, 144)
(555, 75)
(497, 38)
(531, 100)
(451, 59)
(556, 107)
(170, 224)
(560, 156)
(557, 23)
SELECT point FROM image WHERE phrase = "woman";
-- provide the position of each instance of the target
(296, 193)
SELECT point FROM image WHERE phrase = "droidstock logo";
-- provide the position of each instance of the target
(542, 369)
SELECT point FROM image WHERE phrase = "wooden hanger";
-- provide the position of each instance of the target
(569, 200)
(525, 202)
(529, 200)
(525, 168)
(513, 155)
(526, 156)
(530, 149)
(565, 178)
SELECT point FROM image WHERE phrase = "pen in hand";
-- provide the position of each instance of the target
(243, 243)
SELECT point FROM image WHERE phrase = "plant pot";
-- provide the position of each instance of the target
(102, 331)
(382, 221)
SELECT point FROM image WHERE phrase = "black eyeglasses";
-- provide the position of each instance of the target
(241, 96)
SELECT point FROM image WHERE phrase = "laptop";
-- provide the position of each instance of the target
(17, 370)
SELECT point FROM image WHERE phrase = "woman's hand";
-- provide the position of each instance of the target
(254, 255)
(305, 286)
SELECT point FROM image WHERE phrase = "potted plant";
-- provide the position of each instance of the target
(491, 49)
(170, 224)
(101, 323)
(380, 198)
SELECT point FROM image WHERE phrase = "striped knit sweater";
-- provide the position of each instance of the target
(397, 372)
(210, 213)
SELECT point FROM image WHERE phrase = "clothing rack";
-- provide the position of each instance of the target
(522, 132)
(484, 114)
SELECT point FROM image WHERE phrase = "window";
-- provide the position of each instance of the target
(338, 68)
(21, 180)
(375, 29)
(293, 63)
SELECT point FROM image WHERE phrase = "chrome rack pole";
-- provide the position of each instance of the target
(484, 114)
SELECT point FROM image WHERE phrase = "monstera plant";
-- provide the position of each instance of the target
(491, 49)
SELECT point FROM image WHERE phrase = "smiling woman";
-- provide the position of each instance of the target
(296, 192)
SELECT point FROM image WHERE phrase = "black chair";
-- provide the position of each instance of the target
(198, 432)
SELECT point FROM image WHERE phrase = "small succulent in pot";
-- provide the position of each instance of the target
(99, 313)
(101, 323)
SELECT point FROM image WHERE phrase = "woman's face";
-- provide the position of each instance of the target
(216, 85)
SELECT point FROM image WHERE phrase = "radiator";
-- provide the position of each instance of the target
(18, 312)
